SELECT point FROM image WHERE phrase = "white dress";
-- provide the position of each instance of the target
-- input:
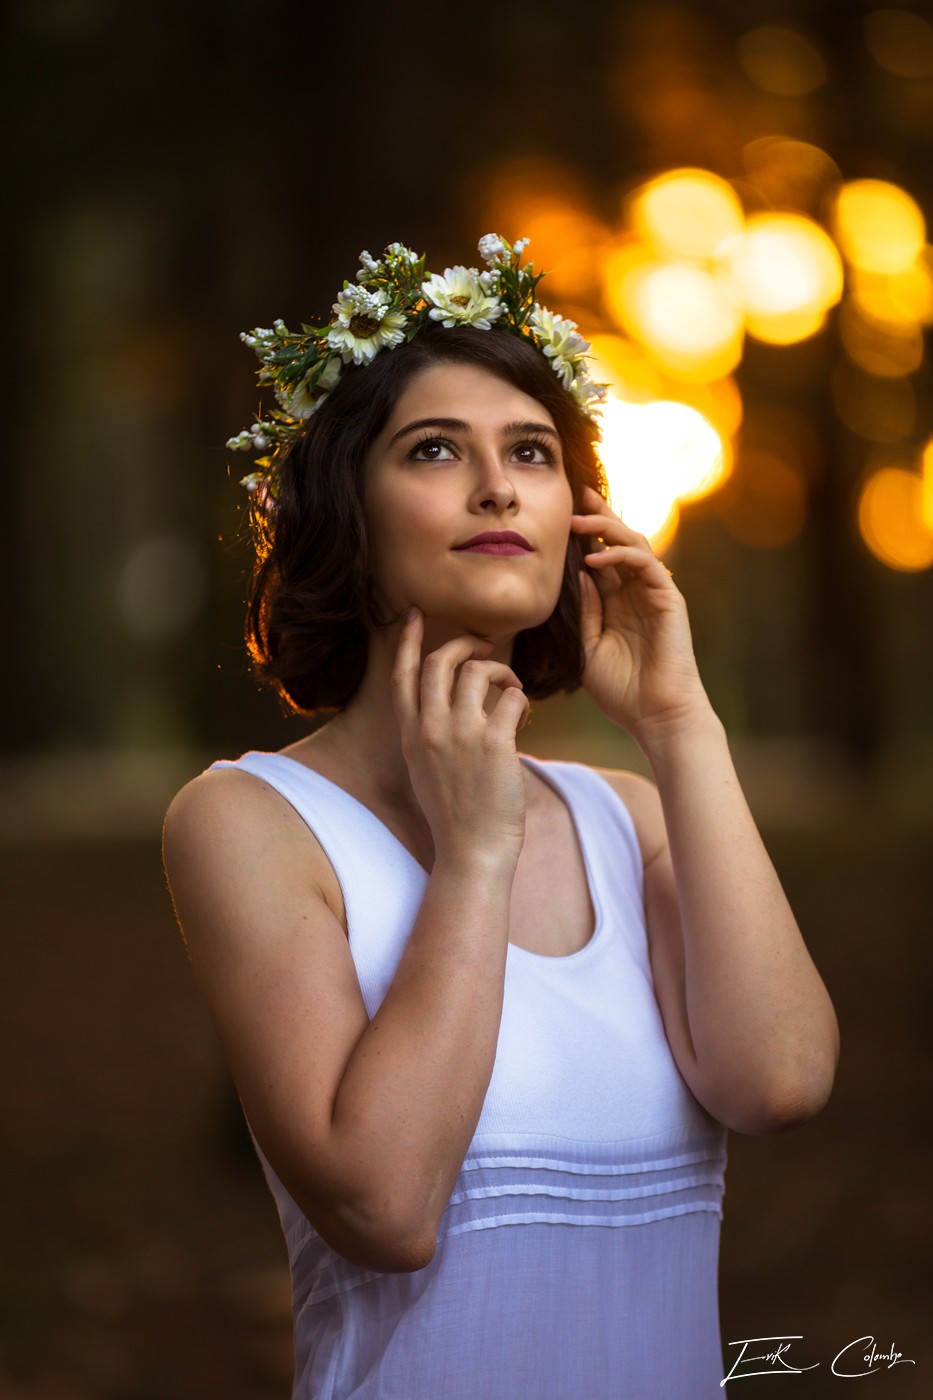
(577, 1258)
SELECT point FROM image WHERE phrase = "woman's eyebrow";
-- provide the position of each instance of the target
(453, 425)
(457, 425)
(525, 426)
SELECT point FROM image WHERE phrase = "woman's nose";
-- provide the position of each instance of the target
(494, 488)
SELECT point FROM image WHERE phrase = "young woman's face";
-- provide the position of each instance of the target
(466, 455)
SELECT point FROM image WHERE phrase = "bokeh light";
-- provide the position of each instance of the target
(790, 174)
(764, 504)
(687, 213)
(696, 263)
(782, 60)
(878, 226)
(926, 503)
(880, 410)
(901, 42)
(898, 298)
(892, 518)
(162, 586)
(655, 456)
(886, 349)
(682, 314)
(620, 362)
(788, 273)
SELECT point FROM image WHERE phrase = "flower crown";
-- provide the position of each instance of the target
(391, 299)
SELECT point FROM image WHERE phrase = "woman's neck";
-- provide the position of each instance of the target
(362, 745)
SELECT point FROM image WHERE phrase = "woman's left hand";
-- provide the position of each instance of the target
(639, 662)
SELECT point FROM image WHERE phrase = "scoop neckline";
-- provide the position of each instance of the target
(537, 766)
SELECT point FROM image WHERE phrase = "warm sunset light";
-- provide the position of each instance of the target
(926, 501)
(683, 316)
(687, 213)
(695, 263)
(888, 349)
(764, 505)
(569, 242)
(788, 273)
(878, 226)
(790, 174)
(781, 60)
(891, 516)
(655, 456)
(900, 41)
(899, 298)
(880, 409)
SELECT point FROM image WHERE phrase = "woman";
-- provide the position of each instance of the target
(489, 1018)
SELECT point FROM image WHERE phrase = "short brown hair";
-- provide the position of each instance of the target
(311, 606)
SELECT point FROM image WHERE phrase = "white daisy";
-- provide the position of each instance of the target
(460, 299)
(587, 395)
(366, 323)
(560, 341)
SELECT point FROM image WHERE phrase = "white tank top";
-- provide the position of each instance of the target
(578, 1254)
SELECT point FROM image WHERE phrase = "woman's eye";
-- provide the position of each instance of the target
(432, 450)
(534, 453)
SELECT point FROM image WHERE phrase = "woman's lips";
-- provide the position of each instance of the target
(495, 542)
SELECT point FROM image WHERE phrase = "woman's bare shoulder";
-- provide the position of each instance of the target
(226, 825)
(224, 805)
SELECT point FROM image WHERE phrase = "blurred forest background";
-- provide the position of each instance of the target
(732, 199)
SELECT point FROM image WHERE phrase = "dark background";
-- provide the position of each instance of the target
(177, 173)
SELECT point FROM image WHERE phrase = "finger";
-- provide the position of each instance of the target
(591, 613)
(606, 526)
(638, 561)
(406, 671)
(439, 668)
(595, 500)
(510, 712)
(474, 679)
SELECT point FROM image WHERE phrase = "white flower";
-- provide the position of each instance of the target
(265, 341)
(366, 323)
(460, 299)
(491, 248)
(299, 401)
(519, 246)
(303, 399)
(587, 395)
(560, 341)
(329, 374)
(371, 267)
(398, 250)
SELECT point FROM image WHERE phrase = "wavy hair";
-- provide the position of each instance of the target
(311, 605)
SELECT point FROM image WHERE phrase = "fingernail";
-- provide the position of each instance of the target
(411, 614)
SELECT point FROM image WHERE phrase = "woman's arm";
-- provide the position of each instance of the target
(748, 1018)
(366, 1122)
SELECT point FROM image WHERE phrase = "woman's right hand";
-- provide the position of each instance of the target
(463, 762)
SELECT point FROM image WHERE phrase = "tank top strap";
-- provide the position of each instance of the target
(609, 845)
(381, 881)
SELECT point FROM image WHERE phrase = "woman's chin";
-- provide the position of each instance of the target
(493, 624)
